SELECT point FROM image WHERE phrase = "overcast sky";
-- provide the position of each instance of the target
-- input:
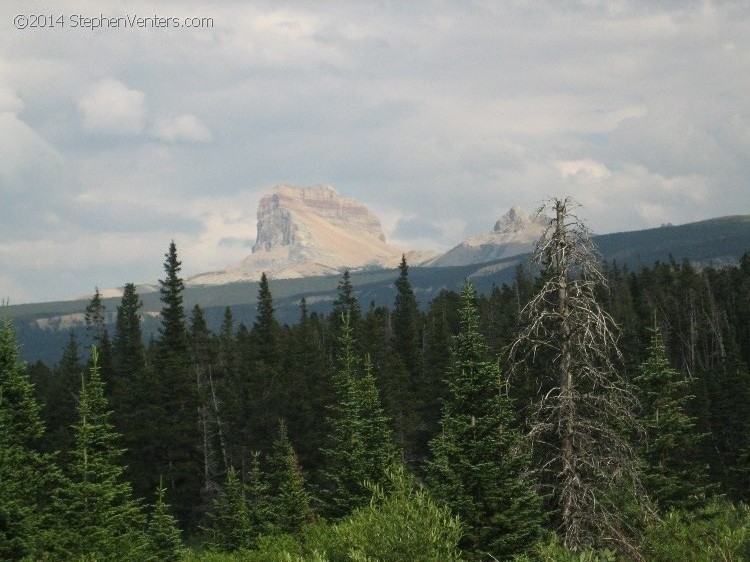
(437, 115)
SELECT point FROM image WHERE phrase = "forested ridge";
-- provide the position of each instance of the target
(584, 412)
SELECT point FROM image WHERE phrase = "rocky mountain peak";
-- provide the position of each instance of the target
(305, 231)
(516, 221)
(514, 233)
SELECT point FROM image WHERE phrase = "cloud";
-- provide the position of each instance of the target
(181, 128)
(109, 107)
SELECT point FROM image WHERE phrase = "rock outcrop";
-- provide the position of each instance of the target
(307, 231)
(515, 233)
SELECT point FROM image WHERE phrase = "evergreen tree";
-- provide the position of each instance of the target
(172, 332)
(173, 402)
(25, 474)
(311, 392)
(233, 527)
(361, 447)
(265, 327)
(98, 516)
(478, 468)
(258, 498)
(290, 503)
(131, 390)
(59, 398)
(406, 324)
(96, 330)
(345, 303)
(673, 478)
(408, 381)
(163, 532)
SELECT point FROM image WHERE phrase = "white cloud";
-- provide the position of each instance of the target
(181, 128)
(110, 107)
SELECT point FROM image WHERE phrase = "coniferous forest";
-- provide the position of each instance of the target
(585, 412)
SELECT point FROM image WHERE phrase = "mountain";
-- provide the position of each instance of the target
(308, 231)
(42, 328)
(515, 233)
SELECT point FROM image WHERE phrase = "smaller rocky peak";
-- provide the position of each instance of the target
(512, 221)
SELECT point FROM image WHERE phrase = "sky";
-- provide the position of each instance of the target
(439, 116)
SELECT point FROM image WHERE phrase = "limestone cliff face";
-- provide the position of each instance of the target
(305, 231)
(514, 233)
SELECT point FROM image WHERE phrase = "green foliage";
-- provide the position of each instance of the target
(232, 525)
(25, 474)
(721, 531)
(96, 513)
(290, 502)
(164, 535)
(671, 438)
(553, 551)
(169, 399)
(478, 467)
(405, 524)
(361, 447)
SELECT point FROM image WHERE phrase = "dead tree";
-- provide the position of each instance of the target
(582, 415)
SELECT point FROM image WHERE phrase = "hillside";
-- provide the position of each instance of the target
(42, 327)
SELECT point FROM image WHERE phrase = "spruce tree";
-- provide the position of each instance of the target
(59, 409)
(96, 330)
(361, 446)
(98, 516)
(163, 532)
(673, 478)
(233, 529)
(345, 303)
(406, 324)
(266, 328)
(290, 502)
(25, 475)
(173, 401)
(408, 381)
(132, 387)
(478, 468)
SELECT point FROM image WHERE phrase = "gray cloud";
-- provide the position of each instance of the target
(431, 113)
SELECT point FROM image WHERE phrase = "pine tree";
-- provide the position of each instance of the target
(173, 401)
(131, 389)
(233, 529)
(406, 324)
(290, 503)
(98, 516)
(172, 332)
(59, 399)
(478, 467)
(673, 479)
(361, 447)
(345, 303)
(163, 532)
(265, 327)
(408, 381)
(96, 330)
(306, 368)
(25, 474)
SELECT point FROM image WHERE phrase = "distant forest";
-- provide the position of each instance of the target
(585, 412)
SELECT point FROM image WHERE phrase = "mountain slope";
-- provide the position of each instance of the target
(42, 327)
(515, 233)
